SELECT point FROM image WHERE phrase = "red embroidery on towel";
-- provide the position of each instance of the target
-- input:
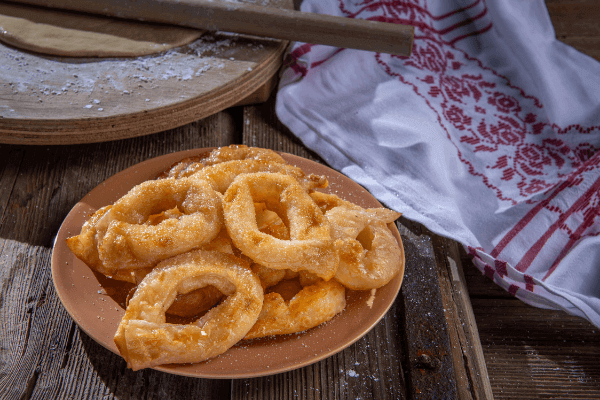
(586, 229)
(502, 138)
(401, 8)
(474, 33)
(507, 146)
(500, 133)
(501, 268)
(489, 271)
(581, 205)
(416, 13)
(292, 62)
(496, 143)
(529, 284)
(546, 204)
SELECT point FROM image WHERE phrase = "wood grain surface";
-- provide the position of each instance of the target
(528, 352)
(65, 100)
(576, 24)
(45, 355)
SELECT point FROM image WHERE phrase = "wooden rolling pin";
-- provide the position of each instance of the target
(255, 20)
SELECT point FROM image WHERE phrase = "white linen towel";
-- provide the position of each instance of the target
(488, 134)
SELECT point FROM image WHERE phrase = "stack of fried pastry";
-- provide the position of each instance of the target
(241, 239)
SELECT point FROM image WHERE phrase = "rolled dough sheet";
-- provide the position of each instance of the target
(68, 34)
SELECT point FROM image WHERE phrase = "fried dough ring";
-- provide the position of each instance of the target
(185, 305)
(184, 168)
(327, 201)
(85, 245)
(127, 238)
(221, 175)
(310, 307)
(190, 165)
(195, 302)
(200, 300)
(242, 152)
(369, 254)
(145, 340)
(310, 246)
(221, 243)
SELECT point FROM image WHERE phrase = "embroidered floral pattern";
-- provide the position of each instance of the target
(514, 150)
(501, 134)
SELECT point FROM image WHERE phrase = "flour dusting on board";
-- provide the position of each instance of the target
(32, 85)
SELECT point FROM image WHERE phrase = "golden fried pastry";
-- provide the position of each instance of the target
(327, 201)
(268, 276)
(221, 242)
(190, 165)
(369, 254)
(221, 175)
(287, 288)
(85, 245)
(312, 306)
(289, 274)
(307, 278)
(242, 237)
(184, 168)
(153, 221)
(145, 340)
(199, 300)
(310, 246)
(242, 152)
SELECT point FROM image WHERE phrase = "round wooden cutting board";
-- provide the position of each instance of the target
(59, 100)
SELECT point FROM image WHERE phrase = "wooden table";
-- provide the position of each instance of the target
(425, 347)
(485, 342)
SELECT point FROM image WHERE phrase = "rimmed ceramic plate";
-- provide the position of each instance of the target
(97, 303)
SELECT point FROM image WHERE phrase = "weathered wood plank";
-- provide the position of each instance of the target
(24, 314)
(469, 361)
(10, 159)
(369, 369)
(574, 18)
(576, 24)
(471, 371)
(43, 354)
(536, 353)
(430, 368)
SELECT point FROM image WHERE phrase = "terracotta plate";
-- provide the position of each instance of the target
(96, 303)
